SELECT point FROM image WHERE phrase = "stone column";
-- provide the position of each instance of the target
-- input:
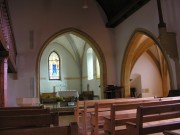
(3, 78)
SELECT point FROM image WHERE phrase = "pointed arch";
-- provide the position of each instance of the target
(92, 43)
(139, 42)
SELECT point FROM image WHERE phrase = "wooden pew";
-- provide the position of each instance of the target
(71, 129)
(155, 119)
(103, 109)
(38, 120)
(170, 133)
(85, 108)
(22, 107)
(77, 110)
(121, 113)
(17, 112)
(88, 107)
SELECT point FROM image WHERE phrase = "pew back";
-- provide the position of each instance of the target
(71, 129)
(22, 107)
(117, 118)
(103, 109)
(23, 112)
(154, 119)
(29, 120)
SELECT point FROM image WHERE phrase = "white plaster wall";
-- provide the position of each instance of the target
(45, 18)
(94, 83)
(150, 76)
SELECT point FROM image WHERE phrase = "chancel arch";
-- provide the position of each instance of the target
(71, 46)
(144, 55)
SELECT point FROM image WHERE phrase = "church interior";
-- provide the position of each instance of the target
(89, 67)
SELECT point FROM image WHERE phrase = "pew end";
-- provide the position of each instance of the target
(155, 119)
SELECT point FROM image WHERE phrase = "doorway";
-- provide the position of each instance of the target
(144, 56)
(71, 46)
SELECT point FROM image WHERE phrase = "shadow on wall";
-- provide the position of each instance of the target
(135, 85)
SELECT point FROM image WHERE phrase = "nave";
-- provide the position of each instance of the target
(126, 116)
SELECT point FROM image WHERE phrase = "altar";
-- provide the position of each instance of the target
(68, 98)
(68, 93)
(65, 98)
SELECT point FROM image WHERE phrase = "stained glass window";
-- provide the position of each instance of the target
(54, 66)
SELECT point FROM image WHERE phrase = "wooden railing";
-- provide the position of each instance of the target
(7, 41)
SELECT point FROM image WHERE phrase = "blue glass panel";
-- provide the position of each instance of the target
(54, 66)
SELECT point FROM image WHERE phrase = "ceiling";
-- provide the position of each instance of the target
(117, 11)
(75, 45)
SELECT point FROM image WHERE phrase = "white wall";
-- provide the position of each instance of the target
(94, 83)
(150, 76)
(44, 19)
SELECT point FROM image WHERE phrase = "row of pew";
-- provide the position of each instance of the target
(128, 116)
(34, 120)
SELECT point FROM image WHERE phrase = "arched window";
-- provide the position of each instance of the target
(97, 69)
(54, 66)
(90, 65)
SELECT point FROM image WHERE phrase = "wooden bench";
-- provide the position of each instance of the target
(77, 110)
(83, 106)
(104, 109)
(38, 120)
(155, 119)
(86, 108)
(22, 107)
(17, 112)
(71, 129)
(170, 133)
(121, 113)
(83, 110)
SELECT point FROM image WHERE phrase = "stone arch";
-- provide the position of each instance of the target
(139, 42)
(92, 43)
